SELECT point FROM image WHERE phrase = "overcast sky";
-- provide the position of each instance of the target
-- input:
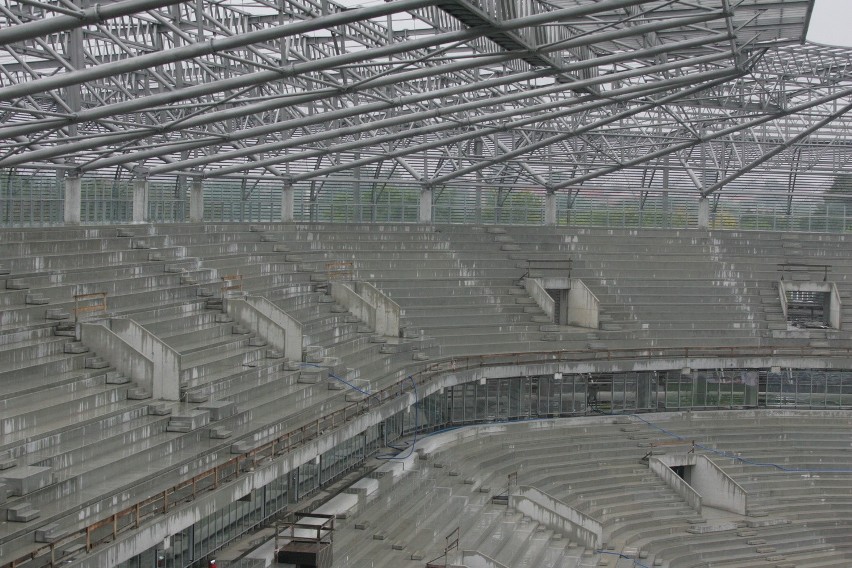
(831, 22)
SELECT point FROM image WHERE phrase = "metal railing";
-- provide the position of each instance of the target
(38, 200)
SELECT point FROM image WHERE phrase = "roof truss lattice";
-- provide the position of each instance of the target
(552, 95)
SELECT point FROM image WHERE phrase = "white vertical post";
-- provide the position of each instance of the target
(426, 204)
(703, 213)
(73, 199)
(666, 210)
(550, 209)
(357, 208)
(140, 200)
(288, 208)
(196, 202)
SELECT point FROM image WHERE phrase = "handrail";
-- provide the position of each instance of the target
(783, 266)
(100, 306)
(552, 263)
(339, 270)
(233, 468)
(231, 283)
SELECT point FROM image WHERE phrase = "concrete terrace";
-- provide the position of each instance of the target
(598, 466)
(88, 439)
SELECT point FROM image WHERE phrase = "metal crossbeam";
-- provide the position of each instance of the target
(434, 92)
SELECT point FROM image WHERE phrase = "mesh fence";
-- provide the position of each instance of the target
(37, 199)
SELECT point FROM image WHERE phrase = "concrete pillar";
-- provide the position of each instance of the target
(477, 210)
(750, 386)
(288, 207)
(667, 214)
(645, 399)
(426, 205)
(358, 214)
(196, 202)
(140, 200)
(703, 213)
(550, 209)
(73, 199)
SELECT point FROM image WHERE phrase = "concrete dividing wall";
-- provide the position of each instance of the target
(120, 354)
(716, 487)
(782, 295)
(347, 297)
(535, 288)
(553, 513)
(835, 314)
(580, 306)
(274, 324)
(583, 306)
(370, 306)
(166, 383)
(662, 467)
(387, 311)
(706, 482)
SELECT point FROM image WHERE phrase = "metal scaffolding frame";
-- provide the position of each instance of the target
(631, 97)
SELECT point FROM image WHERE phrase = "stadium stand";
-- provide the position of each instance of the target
(92, 456)
(433, 283)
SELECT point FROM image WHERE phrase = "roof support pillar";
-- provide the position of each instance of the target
(288, 209)
(357, 208)
(667, 213)
(140, 200)
(703, 213)
(550, 209)
(73, 199)
(426, 204)
(477, 208)
(196, 201)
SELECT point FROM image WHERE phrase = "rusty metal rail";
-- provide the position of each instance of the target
(93, 302)
(130, 518)
(231, 283)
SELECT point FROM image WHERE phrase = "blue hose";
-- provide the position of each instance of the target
(416, 428)
(342, 380)
(635, 562)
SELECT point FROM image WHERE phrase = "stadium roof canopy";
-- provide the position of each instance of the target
(698, 96)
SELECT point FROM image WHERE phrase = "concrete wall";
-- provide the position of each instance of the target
(713, 486)
(717, 489)
(347, 297)
(555, 514)
(835, 311)
(370, 306)
(166, 383)
(580, 305)
(387, 311)
(782, 295)
(135, 355)
(662, 467)
(119, 353)
(535, 288)
(273, 324)
(583, 306)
